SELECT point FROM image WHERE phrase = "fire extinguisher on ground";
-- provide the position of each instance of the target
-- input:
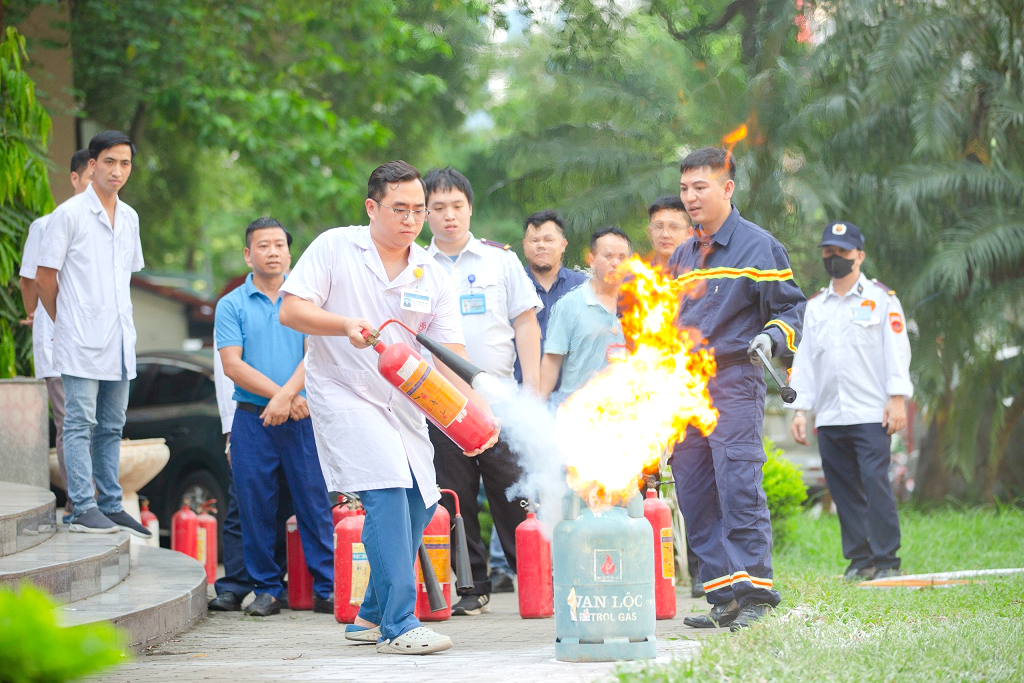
(206, 539)
(150, 521)
(533, 568)
(351, 566)
(659, 515)
(300, 581)
(184, 527)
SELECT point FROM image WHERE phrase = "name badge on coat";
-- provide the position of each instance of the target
(415, 301)
(473, 304)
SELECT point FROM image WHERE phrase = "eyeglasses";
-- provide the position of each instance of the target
(403, 214)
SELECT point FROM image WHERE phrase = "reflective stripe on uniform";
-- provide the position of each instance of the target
(734, 273)
(788, 331)
(723, 582)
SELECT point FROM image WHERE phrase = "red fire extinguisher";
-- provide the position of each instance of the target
(437, 541)
(533, 567)
(300, 581)
(184, 528)
(351, 567)
(150, 521)
(659, 515)
(344, 508)
(444, 405)
(206, 539)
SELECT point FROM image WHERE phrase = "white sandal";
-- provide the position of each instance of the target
(419, 641)
(362, 635)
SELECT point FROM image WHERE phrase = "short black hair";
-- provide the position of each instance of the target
(539, 218)
(609, 230)
(391, 173)
(670, 202)
(262, 223)
(715, 158)
(108, 139)
(79, 161)
(447, 178)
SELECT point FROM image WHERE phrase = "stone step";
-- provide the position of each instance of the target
(70, 566)
(164, 595)
(27, 517)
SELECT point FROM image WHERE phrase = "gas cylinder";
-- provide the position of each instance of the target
(206, 539)
(300, 581)
(659, 515)
(603, 565)
(533, 566)
(184, 528)
(444, 405)
(351, 567)
(437, 540)
(345, 508)
(150, 521)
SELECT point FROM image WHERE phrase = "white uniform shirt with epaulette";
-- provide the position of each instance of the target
(854, 355)
(493, 290)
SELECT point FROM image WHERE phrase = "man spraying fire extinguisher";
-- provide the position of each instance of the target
(370, 437)
(741, 299)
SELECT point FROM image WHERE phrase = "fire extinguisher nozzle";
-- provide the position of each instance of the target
(435, 594)
(463, 569)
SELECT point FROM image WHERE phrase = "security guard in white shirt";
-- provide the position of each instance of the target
(498, 310)
(852, 368)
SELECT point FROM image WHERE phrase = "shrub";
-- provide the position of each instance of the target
(34, 648)
(784, 487)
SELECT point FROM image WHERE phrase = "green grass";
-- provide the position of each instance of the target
(828, 630)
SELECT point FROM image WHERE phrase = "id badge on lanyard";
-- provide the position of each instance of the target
(473, 303)
(413, 298)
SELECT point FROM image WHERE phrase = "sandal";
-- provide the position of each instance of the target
(419, 641)
(361, 634)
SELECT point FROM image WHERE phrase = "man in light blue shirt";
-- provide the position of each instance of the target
(271, 431)
(583, 325)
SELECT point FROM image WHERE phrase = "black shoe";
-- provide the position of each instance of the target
(128, 523)
(696, 587)
(859, 574)
(323, 605)
(471, 605)
(888, 572)
(750, 613)
(719, 616)
(263, 606)
(225, 602)
(92, 521)
(501, 583)
(284, 599)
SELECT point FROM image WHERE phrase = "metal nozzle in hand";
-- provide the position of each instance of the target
(787, 392)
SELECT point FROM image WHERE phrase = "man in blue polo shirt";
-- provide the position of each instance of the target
(271, 431)
(584, 324)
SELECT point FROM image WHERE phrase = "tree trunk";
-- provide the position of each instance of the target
(933, 475)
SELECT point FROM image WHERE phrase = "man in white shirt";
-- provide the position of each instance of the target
(498, 314)
(90, 249)
(852, 368)
(42, 326)
(370, 436)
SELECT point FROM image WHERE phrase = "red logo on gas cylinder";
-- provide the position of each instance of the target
(608, 568)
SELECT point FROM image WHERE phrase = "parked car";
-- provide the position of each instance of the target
(173, 397)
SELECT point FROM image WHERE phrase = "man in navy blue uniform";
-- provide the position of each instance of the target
(740, 296)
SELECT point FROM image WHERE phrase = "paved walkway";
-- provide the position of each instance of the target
(302, 646)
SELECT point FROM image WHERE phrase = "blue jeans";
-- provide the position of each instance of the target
(94, 420)
(392, 533)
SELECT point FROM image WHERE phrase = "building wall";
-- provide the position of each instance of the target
(162, 324)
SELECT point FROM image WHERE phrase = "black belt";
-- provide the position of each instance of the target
(251, 407)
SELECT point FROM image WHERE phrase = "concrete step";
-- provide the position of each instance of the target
(70, 566)
(164, 595)
(27, 517)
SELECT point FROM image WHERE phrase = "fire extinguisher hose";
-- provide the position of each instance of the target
(463, 567)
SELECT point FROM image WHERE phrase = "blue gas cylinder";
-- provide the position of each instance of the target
(603, 565)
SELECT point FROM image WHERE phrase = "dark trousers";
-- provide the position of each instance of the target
(259, 455)
(856, 460)
(236, 578)
(718, 486)
(498, 469)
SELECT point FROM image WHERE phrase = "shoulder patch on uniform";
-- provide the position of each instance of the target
(890, 292)
(499, 245)
(820, 291)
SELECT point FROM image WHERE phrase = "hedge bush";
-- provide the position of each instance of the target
(784, 487)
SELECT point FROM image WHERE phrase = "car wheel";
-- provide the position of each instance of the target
(199, 486)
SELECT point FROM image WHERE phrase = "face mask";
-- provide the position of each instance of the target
(837, 266)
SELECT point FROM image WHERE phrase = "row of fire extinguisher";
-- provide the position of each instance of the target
(196, 536)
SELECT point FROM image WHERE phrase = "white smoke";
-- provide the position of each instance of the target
(528, 426)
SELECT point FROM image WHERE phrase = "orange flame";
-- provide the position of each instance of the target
(734, 137)
(626, 416)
